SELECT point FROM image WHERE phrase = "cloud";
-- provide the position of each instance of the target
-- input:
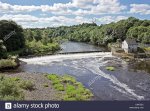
(75, 7)
(140, 8)
(107, 6)
(109, 19)
(32, 21)
(5, 7)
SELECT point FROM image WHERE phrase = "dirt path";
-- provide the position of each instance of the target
(41, 92)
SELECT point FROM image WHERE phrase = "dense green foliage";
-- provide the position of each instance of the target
(97, 35)
(46, 40)
(35, 47)
(38, 41)
(12, 35)
(73, 90)
(141, 33)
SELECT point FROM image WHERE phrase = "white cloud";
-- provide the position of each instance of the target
(107, 6)
(109, 19)
(81, 7)
(140, 8)
(5, 7)
(32, 21)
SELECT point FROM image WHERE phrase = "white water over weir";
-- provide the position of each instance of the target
(93, 65)
(48, 59)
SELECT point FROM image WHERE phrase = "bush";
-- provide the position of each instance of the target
(27, 85)
(35, 47)
(7, 63)
(9, 89)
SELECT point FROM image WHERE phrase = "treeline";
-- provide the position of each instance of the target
(14, 40)
(39, 41)
(42, 40)
(97, 35)
(104, 34)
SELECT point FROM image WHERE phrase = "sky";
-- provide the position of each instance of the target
(54, 13)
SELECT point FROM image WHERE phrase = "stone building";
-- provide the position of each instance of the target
(130, 45)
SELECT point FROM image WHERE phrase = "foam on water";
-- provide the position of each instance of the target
(95, 61)
(93, 66)
(47, 59)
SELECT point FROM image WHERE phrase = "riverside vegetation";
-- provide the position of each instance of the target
(12, 88)
(71, 89)
(41, 41)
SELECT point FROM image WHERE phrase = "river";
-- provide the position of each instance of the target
(90, 69)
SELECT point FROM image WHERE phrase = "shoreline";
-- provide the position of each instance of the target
(44, 88)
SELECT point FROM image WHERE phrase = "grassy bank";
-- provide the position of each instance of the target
(71, 89)
(10, 63)
(25, 86)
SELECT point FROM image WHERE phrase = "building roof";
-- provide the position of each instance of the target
(131, 41)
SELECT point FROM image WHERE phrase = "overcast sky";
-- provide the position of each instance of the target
(49, 13)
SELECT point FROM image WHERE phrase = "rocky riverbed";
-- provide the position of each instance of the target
(40, 92)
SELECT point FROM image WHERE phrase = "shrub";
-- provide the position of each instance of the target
(9, 89)
(15, 78)
(39, 48)
(27, 85)
(7, 63)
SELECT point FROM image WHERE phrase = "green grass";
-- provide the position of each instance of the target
(59, 87)
(110, 68)
(72, 89)
(7, 63)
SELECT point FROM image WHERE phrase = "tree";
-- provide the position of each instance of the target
(12, 35)
(139, 33)
(2, 50)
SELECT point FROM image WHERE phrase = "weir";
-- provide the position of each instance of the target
(63, 56)
(81, 64)
(79, 52)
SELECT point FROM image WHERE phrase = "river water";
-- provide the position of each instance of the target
(90, 69)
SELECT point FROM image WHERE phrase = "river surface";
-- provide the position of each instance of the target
(124, 83)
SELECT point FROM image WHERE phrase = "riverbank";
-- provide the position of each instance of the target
(9, 63)
(43, 87)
